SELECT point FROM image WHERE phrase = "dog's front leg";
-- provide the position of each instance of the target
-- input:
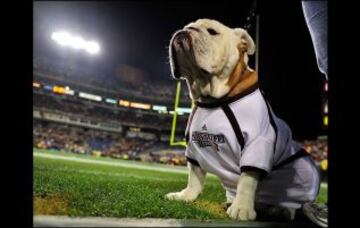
(243, 205)
(196, 180)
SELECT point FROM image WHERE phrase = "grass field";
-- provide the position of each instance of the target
(80, 185)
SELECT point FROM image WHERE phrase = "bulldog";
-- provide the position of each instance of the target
(232, 131)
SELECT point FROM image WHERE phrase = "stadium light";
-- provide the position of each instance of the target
(92, 47)
(36, 85)
(64, 38)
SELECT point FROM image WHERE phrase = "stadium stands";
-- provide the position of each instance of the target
(319, 151)
(49, 72)
(65, 121)
(105, 113)
(82, 140)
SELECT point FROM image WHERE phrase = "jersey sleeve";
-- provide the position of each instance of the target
(259, 135)
(258, 155)
(190, 157)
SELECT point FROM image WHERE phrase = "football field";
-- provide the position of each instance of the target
(85, 186)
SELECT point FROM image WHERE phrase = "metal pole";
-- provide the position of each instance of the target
(173, 128)
(172, 136)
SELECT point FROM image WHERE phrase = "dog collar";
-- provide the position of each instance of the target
(228, 100)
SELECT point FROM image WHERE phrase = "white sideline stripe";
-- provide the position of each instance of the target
(324, 185)
(84, 160)
(65, 221)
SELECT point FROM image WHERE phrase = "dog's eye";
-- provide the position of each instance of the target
(212, 32)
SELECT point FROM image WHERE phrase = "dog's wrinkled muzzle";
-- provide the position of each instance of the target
(182, 41)
(181, 45)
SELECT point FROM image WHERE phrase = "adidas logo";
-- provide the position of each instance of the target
(204, 128)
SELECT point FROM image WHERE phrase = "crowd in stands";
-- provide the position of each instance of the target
(82, 140)
(50, 135)
(104, 113)
(317, 148)
(319, 151)
(73, 73)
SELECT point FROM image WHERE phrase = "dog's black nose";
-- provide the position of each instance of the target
(182, 36)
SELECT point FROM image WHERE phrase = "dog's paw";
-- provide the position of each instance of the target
(185, 195)
(241, 213)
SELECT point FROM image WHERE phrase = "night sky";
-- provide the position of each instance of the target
(138, 33)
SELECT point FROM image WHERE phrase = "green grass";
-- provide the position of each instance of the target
(80, 189)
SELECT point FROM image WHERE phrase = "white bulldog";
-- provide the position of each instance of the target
(213, 58)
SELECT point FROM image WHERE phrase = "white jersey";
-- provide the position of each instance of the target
(242, 133)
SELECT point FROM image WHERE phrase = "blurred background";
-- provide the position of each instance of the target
(102, 83)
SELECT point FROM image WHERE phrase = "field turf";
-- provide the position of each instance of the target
(77, 185)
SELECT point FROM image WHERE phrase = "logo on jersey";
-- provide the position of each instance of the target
(204, 139)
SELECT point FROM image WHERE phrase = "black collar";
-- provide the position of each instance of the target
(228, 100)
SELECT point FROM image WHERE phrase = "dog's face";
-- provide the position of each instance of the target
(204, 53)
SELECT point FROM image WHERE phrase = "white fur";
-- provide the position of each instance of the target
(243, 205)
(196, 182)
(217, 54)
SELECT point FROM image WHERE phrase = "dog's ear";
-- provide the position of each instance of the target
(246, 42)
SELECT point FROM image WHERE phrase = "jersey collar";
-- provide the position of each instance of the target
(228, 100)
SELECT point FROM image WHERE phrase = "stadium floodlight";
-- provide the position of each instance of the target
(92, 47)
(77, 43)
(64, 38)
